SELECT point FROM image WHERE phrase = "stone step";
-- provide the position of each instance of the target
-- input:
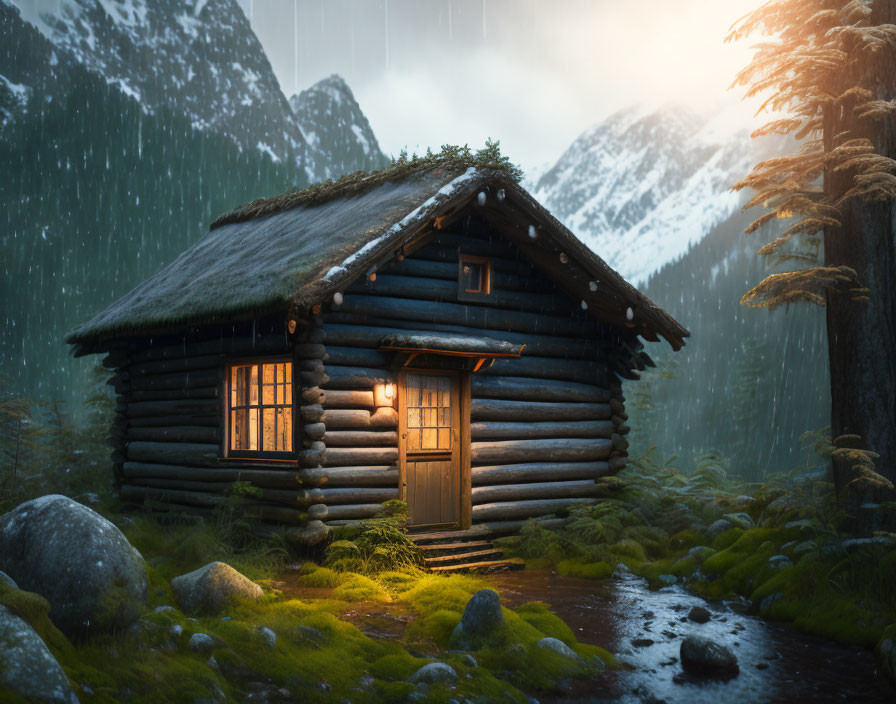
(465, 557)
(434, 549)
(450, 536)
(513, 563)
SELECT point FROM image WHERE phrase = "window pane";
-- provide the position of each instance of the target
(284, 423)
(472, 277)
(269, 429)
(253, 384)
(253, 429)
(239, 438)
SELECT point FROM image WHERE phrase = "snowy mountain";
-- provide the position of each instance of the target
(641, 187)
(335, 128)
(202, 59)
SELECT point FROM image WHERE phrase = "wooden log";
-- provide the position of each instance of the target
(473, 316)
(549, 368)
(208, 392)
(309, 379)
(344, 419)
(370, 475)
(309, 350)
(509, 510)
(619, 443)
(188, 433)
(537, 472)
(196, 454)
(188, 407)
(519, 431)
(315, 431)
(342, 456)
(525, 389)
(354, 378)
(313, 395)
(429, 289)
(133, 492)
(313, 413)
(618, 407)
(166, 366)
(179, 380)
(313, 456)
(264, 478)
(617, 464)
(349, 399)
(491, 409)
(508, 527)
(268, 344)
(356, 357)
(540, 490)
(623, 429)
(161, 421)
(345, 512)
(367, 333)
(448, 271)
(359, 438)
(554, 450)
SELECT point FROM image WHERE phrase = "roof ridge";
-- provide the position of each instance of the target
(359, 182)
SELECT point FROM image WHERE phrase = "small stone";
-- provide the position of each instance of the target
(270, 638)
(779, 562)
(719, 527)
(741, 520)
(703, 656)
(699, 614)
(176, 630)
(210, 588)
(642, 642)
(212, 663)
(309, 636)
(469, 660)
(201, 643)
(7, 580)
(668, 579)
(162, 609)
(434, 672)
(558, 646)
(769, 601)
(700, 553)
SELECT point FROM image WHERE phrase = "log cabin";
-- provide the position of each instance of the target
(428, 333)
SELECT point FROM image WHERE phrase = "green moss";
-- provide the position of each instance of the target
(539, 615)
(158, 589)
(316, 576)
(434, 627)
(590, 570)
(686, 539)
(629, 548)
(356, 587)
(35, 611)
(398, 666)
(727, 539)
(394, 692)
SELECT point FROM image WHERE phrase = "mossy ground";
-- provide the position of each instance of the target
(322, 653)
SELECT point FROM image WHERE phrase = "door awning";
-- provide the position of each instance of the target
(482, 349)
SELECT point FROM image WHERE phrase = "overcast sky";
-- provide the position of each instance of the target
(532, 73)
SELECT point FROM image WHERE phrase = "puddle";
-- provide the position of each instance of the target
(645, 629)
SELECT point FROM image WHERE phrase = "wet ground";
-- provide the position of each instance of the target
(645, 629)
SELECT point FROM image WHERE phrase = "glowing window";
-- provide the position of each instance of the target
(260, 407)
(473, 277)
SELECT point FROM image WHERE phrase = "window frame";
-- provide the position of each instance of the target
(228, 452)
(484, 293)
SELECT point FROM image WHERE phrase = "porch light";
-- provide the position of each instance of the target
(384, 395)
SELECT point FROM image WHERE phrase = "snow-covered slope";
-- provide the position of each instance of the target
(641, 187)
(201, 58)
(335, 128)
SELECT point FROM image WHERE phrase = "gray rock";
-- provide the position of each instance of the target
(433, 673)
(779, 562)
(162, 609)
(701, 552)
(886, 655)
(558, 646)
(703, 656)
(668, 579)
(719, 527)
(309, 636)
(482, 617)
(27, 668)
(269, 637)
(177, 630)
(699, 614)
(741, 520)
(94, 579)
(854, 544)
(469, 660)
(7, 580)
(210, 588)
(769, 600)
(202, 643)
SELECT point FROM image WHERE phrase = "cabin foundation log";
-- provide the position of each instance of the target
(538, 472)
(510, 510)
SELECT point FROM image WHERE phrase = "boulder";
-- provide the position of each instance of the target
(741, 520)
(699, 614)
(886, 653)
(202, 643)
(717, 528)
(94, 579)
(434, 672)
(8, 581)
(700, 553)
(778, 562)
(705, 657)
(267, 635)
(27, 668)
(209, 589)
(482, 617)
(558, 646)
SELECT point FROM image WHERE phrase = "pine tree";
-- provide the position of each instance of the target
(829, 68)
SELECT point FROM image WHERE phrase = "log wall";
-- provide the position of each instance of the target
(543, 427)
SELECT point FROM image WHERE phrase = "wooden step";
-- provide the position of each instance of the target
(448, 548)
(454, 536)
(465, 557)
(514, 563)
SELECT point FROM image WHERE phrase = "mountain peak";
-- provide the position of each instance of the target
(333, 124)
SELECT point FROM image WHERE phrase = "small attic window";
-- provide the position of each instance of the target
(474, 277)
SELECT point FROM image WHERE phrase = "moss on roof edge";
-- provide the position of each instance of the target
(451, 158)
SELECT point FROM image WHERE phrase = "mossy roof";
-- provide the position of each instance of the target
(294, 250)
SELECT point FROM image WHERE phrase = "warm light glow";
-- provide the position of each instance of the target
(390, 391)
(384, 395)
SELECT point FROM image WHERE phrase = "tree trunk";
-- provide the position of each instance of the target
(862, 335)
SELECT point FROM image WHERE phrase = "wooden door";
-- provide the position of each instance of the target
(430, 448)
